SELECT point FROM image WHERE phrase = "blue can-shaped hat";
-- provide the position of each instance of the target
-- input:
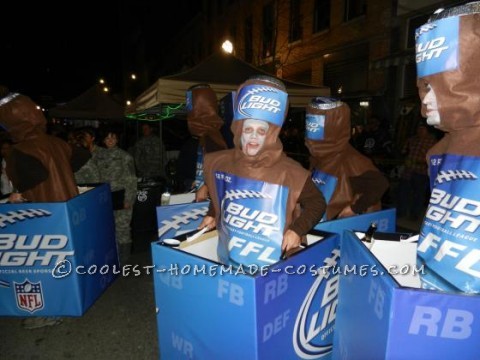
(261, 98)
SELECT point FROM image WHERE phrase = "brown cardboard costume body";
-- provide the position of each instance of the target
(204, 124)
(327, 138)
(202, 118)
(39, 165)
(257, 158)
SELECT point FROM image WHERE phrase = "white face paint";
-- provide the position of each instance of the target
(430, 102)
(253, 136)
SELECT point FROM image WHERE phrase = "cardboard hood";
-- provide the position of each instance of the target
(224, 73)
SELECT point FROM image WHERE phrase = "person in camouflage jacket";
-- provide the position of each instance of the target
(118, 169)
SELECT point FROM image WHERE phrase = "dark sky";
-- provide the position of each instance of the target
(61, 49)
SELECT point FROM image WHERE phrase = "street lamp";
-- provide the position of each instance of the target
(227, 46)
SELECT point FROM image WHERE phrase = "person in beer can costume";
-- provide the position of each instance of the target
(204, 123)
(39, 165)
(257, 192)
(349, 181)
(447, 53)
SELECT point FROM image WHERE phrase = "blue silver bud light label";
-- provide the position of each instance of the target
(436, 48)
(261, 102)
(315, 127)
(189, 101)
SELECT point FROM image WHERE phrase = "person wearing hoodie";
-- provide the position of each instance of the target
(39, 165)
(204, 125)
(447, 53)
(262, 202)
(349, 180)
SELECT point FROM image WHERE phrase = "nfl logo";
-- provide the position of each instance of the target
(29, 295)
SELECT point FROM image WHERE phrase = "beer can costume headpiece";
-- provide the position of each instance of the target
(202, 114)
(21, 117)
(201, 105)
(447, 53)
(262, 98)
(327, 126)
(316, 114)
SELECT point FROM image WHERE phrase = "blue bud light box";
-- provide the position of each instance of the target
(377, 318)
(209, 311)
(174, 221)
(57, 258)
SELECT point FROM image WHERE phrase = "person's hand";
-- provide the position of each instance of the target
(201, 194)
(346, 212)
(208, 221)
(291, 240)
(16, 197)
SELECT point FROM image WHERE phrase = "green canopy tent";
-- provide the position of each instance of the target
(93, 104)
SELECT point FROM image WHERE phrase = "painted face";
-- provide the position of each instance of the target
(430, 102)
(253, 136)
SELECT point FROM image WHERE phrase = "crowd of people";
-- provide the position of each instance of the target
(107, 162)
(258, 194)
(94, 154)
(337, 180)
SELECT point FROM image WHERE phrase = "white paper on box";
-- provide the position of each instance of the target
(399, 258)
(205, 246)
(312, 239)
(181, 198)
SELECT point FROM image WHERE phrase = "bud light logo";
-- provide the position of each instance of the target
(436, 48)
(313, 330)
(261, 102)
(29, 296)
(315, 127)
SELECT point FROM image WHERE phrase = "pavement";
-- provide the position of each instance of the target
(121, 324)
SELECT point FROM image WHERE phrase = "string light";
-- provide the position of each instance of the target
(167, 112)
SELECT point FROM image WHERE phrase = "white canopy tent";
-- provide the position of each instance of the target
(224, 73)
